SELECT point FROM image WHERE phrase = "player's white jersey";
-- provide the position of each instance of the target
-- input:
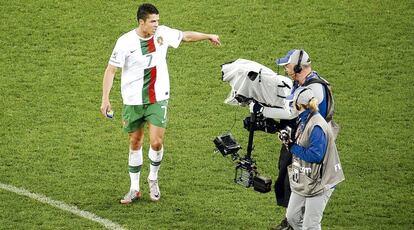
(145, 78)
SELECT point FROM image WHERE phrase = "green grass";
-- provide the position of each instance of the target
(53, 140)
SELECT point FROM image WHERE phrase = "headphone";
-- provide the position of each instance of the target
(298, 68)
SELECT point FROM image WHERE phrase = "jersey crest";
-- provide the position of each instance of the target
(160, 40)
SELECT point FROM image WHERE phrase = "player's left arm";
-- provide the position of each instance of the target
(191, 36)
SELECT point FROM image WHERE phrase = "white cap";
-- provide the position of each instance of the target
(301, 96)
(293, 57)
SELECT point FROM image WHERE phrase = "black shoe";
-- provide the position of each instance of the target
(284, 225)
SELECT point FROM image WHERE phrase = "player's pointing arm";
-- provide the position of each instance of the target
(191, 36)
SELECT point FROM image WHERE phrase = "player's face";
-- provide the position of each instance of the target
(150, 25)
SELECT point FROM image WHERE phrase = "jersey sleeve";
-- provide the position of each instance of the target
(118, 55)
(173, 37)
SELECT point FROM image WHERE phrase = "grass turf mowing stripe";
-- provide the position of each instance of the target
(61, 205)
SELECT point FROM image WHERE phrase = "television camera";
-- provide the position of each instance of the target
(251, 81)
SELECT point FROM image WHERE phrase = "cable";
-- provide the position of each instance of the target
(235, 111)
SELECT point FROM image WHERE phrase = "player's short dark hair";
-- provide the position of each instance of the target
(146, 9)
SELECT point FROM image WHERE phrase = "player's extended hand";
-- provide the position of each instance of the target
(214, 39)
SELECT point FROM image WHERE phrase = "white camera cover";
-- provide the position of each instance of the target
(255, 81)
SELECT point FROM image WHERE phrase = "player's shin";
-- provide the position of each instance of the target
(134, 162)
(155, 157)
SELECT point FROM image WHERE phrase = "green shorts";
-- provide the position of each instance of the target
(135, 116)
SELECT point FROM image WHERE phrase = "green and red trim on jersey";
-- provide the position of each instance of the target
(150, 74)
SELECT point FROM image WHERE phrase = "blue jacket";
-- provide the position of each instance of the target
(318, 142)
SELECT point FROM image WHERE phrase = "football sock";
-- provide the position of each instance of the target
(134, 163)
(155, 157)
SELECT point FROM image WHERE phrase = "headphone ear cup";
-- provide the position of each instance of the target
(297, 68)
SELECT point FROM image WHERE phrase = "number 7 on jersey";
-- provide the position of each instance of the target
(149, 56)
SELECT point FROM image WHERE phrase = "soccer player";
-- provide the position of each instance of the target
(145, 88)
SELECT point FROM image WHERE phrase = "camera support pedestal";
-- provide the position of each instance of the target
(251, 134)
(246, 170)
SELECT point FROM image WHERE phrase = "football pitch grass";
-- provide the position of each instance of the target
(54, 142)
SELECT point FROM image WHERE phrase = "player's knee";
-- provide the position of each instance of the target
(135, 140)
(135, 144)
(156, 145)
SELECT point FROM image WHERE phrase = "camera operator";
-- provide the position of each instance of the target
(315, 168)
(297, 65)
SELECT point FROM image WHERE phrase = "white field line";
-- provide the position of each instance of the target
(60, 205)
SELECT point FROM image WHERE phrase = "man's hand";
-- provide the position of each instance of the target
(214, 39)
(255, 107)
(105, 107)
